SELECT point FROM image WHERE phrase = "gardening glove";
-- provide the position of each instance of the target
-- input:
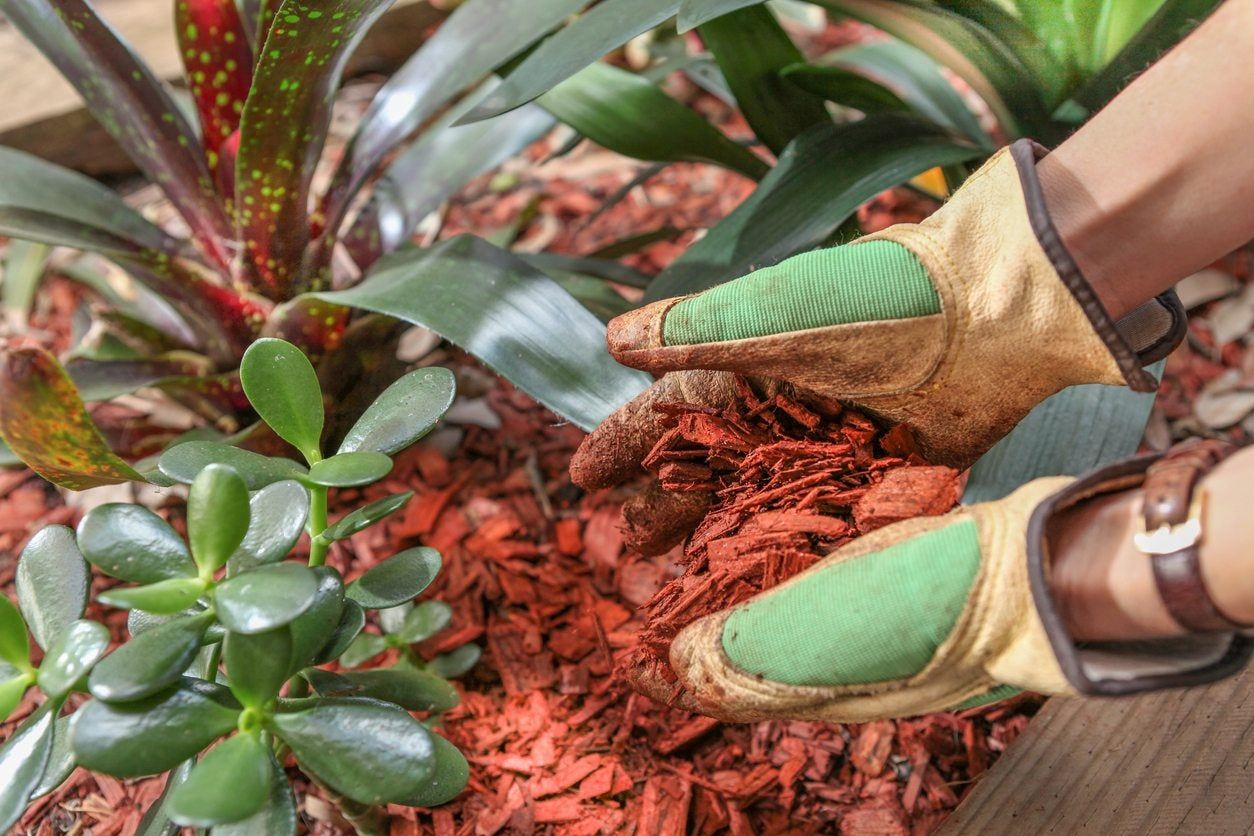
(957, 326)
(938, 614)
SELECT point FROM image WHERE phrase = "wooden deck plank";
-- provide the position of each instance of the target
(1166, 763)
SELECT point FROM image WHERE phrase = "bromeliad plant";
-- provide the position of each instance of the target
(228, 597)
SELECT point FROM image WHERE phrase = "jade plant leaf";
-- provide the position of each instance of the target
(52, 582)
(71, 656)
(60, 760)
(229, 784)
(365, 646)
(456, 662)
(14, 641)
(449, 775)
(396, 580)
(44, 422)
(352, 620)
(410, 688)
(405, 412)
(131, 543)
(257, 664)
(424, 621)
(315, 627)
(366, 516)
(283, 387)
(370, 751)
(161, 598)
(22, 761)
(155, 734)
(217, 516)
(11, 692)
(155, 821)
(277, 515)
(265, 598)
(349, 470)
(277, 816)
(183, 463)
(150, 662)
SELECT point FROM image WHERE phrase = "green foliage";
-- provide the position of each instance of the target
(232, 599)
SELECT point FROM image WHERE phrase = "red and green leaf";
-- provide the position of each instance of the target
(44, 422)
(315, 326)
(284, 127)
(219, 65)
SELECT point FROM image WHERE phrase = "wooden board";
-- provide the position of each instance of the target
(42, 114)
(1171, 762)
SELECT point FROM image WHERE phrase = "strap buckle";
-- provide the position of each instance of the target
(1169, 538)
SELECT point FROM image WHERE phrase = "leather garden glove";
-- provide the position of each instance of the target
(943, 613)
(957, 326)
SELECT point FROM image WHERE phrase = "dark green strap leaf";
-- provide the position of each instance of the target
(406, 411)
(506, 313)
(131, 543)
(103, 380)
(150, 662)
(693, 13)
(25, 263)
(1053, 76)
(630, 115)
(23, 759)
(820, 181)
(52, 583)
(400, 578)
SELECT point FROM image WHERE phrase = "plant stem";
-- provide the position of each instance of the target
(317, 524)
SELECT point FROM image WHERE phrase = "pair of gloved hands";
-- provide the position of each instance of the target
(957, 326)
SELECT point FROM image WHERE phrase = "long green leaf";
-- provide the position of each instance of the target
(820, 180)
(102, 380)
(693, 13)
(284, 126)
(515, 319)
(603, 28)
(627, 114)
(132, 105)
(44, 422)
(1051, 75)
(24, 265)
(751, 49)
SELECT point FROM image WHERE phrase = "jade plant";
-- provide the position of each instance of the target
(221, 677)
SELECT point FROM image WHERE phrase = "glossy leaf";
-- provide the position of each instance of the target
(217, 516)
(819, 182)
(449, 775)
(131, 104)
(150, 662)
(693, 13)
(228, 785)
(424, 621)
(506, 313)
(846, 88)
(600, 30)
(352, 620)
(257, 665)
(277, 816)
(22, 760)
(152, 735)
(405, 412)
(348, 470)
(52, 583)
(60, 760)
(161, 598)
(155, 822)
(298, 72)
(316, 626)
(14, 641)
(71, 656)
(131, 543)
(364, 647)
(367, 750)
(12, 689)
(456, 662)
(183, 463)
(44, 422)
(1050, 75)
(366, 516)
(628, 114)
(102, 380)
(24, 265)
(410, 688)
(214, 45)
(751, 49)
(400, 578)
(276, 518)
(283, 387)
(265, 598)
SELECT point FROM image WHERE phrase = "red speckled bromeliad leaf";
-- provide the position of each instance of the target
(219, 65)
(284, 127)
(44, 422)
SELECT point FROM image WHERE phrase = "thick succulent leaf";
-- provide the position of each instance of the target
(277, 816)
(14, 641)
(60, 760)
(150, 662)
(367, 750)
(506, 313)
(131, 543)
(277, 515)
(424, 621)
(217, 516)
(298, 73)
(448, 776)
(405, 412)
(155, 734)
(366, 516)
(161, 598)
(819, 182)
(12, 689)
(183, 462)
(265, 598)
(283, 387)
(44, 422)
(363, 648)
(257, 665)
(600, 30)
(456, 662)
(52, 583)
(751, 48)
(155, 821)
(316, 626)
(628, 114)
(24, 266)
(218, 60)
(400, 578)
(348, 470)
(410, 688)
(479, 36)
(228, 785)
(131, 104)
(352, 620)
(1069, 433)
(23, 758)
(71, 656)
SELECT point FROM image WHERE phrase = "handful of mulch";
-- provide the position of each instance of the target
(792, 480)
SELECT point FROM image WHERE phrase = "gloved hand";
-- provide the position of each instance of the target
(957, 326)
